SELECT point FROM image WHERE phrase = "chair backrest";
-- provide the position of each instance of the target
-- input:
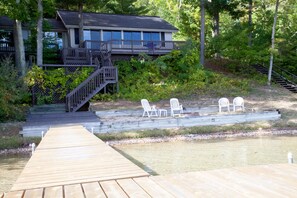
(238, 101)
(223, 102)
(146, 105)
(174, 104)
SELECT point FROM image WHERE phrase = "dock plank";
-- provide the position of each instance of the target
(56, 191)
(93, 190)
(73, 191)
(112, 189)
(132, 189)
(14, 194)
(152, 188)
(36, 193)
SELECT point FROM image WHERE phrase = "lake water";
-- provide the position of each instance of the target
(10, 168)
(180, 157)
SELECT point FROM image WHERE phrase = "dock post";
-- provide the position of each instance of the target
(32, 147)
(290, 158)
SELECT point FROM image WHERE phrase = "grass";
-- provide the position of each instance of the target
(10, 138)
(159, 133)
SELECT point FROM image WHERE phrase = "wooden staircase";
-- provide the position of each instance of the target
(280, 76)
(104, 74)
(90, 87)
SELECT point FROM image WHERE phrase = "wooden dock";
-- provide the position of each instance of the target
(70, 162)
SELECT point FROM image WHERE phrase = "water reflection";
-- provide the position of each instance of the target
(10, 168)
(178, 157)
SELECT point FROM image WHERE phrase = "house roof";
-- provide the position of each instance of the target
(70, 19)
(6, 23)
(54, 24)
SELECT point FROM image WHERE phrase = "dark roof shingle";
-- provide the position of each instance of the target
(70, 18)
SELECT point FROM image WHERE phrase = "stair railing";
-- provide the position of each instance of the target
(285, 74)
(88, 88)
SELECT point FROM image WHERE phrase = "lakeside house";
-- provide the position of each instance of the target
(120, 35)
(107, 37)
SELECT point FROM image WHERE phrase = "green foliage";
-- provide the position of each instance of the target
(12, 142)
(177, 74)
(106, 97)
(126, 7)
(14, 96)
(55, 81)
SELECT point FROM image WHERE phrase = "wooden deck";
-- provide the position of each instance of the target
(71, 162)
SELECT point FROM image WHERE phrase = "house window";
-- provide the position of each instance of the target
(76, 36)
(93, 38)
(163, 39)
(6, 39)
(150, 37)
(129, 37)
(53, 40)
(115, 36)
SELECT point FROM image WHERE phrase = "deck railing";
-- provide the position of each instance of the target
(91, 86)
(133, 46)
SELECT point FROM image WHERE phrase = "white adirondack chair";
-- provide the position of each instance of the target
(224, 103)
(148, 109)
(176, 108)
(238, 102)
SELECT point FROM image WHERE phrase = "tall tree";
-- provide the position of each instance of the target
(272, 42)
(40, 34)
(16, 10)
(202, 32)
(250, 22)
(215, 7)
(79, 6)
(126, 7)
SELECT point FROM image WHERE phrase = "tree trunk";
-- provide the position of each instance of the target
(250, 22)
(272, 42)
(202, 32)
(216, 30)
(20, 60)
(40, 34)
(19, 48)
(81, 24)
(216, 24)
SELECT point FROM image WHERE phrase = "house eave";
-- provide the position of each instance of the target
(121, 28)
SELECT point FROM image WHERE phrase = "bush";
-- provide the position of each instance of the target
(14, 96)
(175, 74)
(56, 81)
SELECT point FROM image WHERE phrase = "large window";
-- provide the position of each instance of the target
(92, 37)
(151, 36)
(131, 38)
(151, 39)
(53, 40)
(115, 36)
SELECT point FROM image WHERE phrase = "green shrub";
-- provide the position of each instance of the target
(175, 74)
(55, 81)
(17, 142)
(14, 96)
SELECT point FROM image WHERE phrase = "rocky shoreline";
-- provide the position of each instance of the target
(188, 137)
(24, 151)
(209, 136)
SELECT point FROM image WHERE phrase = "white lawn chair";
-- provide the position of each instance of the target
(224, 102)
(148, 109)
(176, 108)
(238, 102)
